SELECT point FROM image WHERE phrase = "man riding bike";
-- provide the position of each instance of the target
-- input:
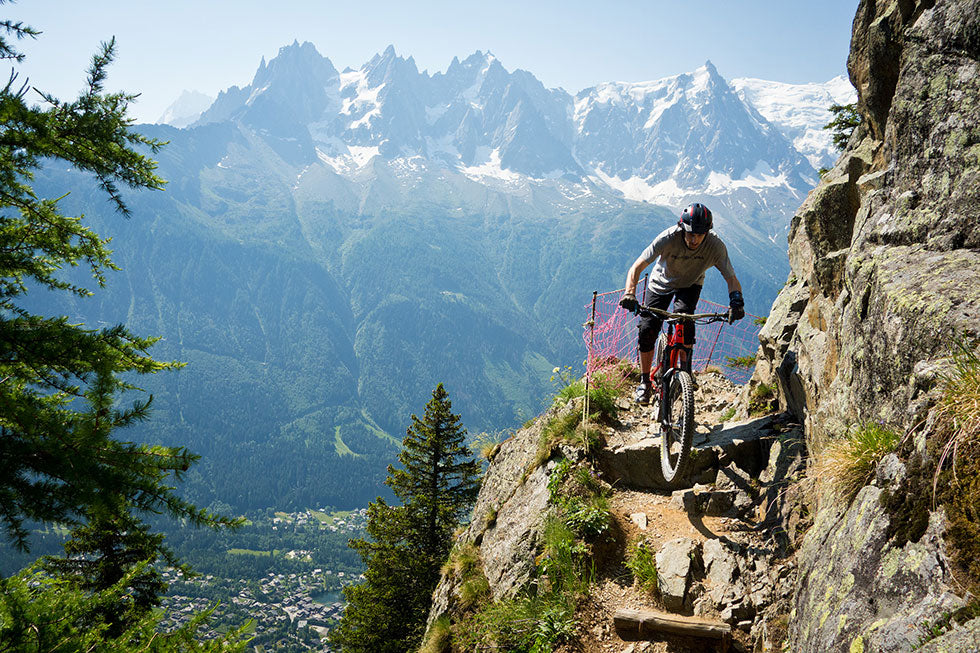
(683, 254)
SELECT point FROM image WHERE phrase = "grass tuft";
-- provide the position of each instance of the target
(957, 477)
(641, 560)
(762, 399)
(847, 465)
(439, 637)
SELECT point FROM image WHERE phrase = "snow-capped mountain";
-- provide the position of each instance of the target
(799, 111)
(389, 134)
(186, 109)
(690, 137)
(669, 141)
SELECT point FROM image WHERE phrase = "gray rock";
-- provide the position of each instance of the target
(890, 473)
(854, 583)
(516, 497)
(744, 444)
(675, 561)
(721, 570)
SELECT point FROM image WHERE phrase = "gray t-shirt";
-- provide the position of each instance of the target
(680, 267)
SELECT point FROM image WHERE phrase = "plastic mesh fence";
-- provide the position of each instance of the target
(610, 337)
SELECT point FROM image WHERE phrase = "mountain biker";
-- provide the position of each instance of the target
(683, 254)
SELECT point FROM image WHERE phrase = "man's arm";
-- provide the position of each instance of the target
(633, 276)
(733, 284)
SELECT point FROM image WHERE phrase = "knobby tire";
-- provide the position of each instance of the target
(679, 413)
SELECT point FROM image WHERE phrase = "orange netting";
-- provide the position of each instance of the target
(610, 336)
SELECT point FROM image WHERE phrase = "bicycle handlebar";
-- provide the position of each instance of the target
(703, 318)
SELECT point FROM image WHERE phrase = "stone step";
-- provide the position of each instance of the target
(743, 444)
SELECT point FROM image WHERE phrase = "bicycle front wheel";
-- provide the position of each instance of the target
(677, 431)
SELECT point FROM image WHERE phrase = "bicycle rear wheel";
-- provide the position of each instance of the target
(677, 432)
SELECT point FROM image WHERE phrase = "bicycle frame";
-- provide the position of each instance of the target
(676, 357)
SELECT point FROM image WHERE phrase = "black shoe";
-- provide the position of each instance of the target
(643, 393)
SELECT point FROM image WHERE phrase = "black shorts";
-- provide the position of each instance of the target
(685, 301)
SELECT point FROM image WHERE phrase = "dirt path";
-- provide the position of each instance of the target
(640, 514)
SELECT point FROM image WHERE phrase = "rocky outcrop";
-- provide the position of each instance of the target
(885, 255)
(857, 585)
(885, 251)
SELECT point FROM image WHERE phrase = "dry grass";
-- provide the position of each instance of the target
(958, 409)
(848, 464)
(437, 640)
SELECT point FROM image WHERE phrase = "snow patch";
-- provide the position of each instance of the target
(489, 167)
(348, 160)
(364, 97)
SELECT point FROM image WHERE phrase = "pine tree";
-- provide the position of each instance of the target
(112, 548)
(60, 384)
(437, 485)
(59, 381)
(846, 119)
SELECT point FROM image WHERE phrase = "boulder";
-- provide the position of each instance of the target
(675, 562)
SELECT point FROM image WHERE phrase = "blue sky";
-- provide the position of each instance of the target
(209, 45)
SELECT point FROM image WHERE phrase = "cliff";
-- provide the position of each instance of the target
(878, 320)
(885, 255)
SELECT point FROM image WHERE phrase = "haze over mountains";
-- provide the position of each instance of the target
(332, 244)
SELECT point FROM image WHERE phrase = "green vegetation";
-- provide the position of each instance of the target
(762, 399)
(580, 498)
(541, 620)
(728, 414)
(534, 624)
(436, 484)
(740, 362)
(848, 464)
(759, 321)
(438, 638)
(958, 471)
(641, 560)
(567, 426)
(465, 564)
(842, 125)
(65, 386)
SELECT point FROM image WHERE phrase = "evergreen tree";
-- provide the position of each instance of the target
(60, 461)
(842, 125)
(437, 485)
(58, 380)
(114, 547)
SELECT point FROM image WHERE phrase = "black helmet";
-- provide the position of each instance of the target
(696, 218)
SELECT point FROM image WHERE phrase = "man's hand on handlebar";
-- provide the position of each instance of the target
(736, 306)
(629, 302)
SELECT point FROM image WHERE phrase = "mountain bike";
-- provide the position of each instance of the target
(674, 389)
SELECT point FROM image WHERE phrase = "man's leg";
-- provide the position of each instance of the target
(649, 330)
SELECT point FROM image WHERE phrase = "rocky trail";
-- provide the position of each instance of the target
(721, 544)
(721, 550)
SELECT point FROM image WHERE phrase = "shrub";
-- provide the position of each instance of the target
(740, 362)
(847, 465)
(761, 399)
(728, 414)
(641, 560)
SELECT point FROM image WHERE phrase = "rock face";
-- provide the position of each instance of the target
(885, 255)
(885, 252)
(508, 516)
(856, 585)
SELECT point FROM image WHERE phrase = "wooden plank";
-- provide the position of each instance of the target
(643, 622)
